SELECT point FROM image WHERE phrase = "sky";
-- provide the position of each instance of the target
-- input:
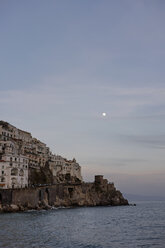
(63, 63)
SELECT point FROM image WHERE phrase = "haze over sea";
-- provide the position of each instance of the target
(98, 227)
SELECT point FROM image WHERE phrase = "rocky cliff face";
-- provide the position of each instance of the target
(44, 175)
(41, 175)
(99, 193)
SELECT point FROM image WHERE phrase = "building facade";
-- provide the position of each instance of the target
(20, 152)
(13, 171)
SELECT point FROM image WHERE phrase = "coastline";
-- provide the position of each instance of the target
(98, 193)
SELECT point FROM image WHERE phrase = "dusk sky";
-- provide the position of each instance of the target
(65, 62)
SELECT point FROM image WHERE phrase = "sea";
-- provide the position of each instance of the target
(142, 225)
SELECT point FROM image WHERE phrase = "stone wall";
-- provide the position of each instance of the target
(99, 193)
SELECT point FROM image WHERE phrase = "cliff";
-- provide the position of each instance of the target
(44, 175)
(99, 193)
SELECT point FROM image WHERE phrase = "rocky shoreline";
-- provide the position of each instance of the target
(99, 193)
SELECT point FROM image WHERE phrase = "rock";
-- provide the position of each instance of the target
(21, 208)
(99, 193)
(14, 208)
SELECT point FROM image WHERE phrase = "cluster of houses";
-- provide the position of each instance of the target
(19, 152)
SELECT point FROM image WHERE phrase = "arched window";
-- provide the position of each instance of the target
(13, 182)
(21, 173)
(14, 172)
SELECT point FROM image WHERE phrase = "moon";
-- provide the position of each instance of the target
(104, 114)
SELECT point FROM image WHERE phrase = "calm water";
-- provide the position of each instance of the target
(99, 227)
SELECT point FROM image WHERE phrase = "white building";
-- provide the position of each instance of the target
(19, 152)
(61, 166)
(7, 132)
(13, 171)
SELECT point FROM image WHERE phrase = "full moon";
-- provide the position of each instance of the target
(104, 114)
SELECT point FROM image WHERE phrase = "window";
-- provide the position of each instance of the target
(14, 182)
(2, 172)
(2, 179)
(14, 172)
(21, 173)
